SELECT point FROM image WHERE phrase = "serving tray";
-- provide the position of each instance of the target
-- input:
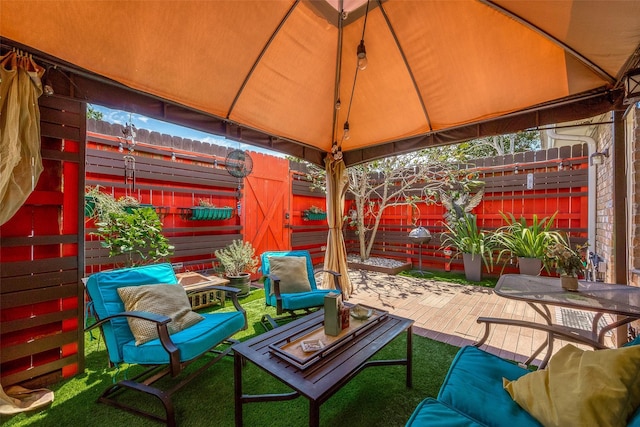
(293, 351)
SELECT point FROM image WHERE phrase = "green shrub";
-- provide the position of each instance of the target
(137, 235)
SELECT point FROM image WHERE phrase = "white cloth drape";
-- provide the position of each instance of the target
(336, 256)
(20, 160)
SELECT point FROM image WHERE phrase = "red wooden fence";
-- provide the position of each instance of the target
(45, 250)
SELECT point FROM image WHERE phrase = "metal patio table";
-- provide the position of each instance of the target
(540, 292)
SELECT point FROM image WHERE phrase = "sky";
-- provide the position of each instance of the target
(143, 122)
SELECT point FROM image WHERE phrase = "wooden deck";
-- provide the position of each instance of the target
(447, 312)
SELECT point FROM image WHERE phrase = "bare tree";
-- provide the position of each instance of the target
(422, 177)
(394, 181)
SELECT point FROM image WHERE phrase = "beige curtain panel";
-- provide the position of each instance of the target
(20, 161)
(19, 399)
(336, 256)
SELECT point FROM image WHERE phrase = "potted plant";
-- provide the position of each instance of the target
(136, 235)
(314, 213)
(98, 204)
(528, 243)
(475, 245)
(206, 210)
(238, 261)
(568, 263)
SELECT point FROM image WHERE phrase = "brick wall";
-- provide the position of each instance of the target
(604, 196)
(632, 126)
(604, 199)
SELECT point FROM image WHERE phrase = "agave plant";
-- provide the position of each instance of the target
(519, 239)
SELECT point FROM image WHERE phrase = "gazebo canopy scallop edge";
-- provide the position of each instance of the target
(271, 73)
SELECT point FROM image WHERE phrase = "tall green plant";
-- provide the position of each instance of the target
(519, 239)
(467, 238)
(136, 235)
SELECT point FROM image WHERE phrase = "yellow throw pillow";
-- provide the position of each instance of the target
(292, 272)
(170, 300)
(582, 388)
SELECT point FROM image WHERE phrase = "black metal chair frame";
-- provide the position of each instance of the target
(269, 322)
(143, 382)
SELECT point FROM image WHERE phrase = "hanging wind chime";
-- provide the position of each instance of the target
(129, 134)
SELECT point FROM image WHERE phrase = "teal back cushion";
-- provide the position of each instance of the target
(473, 386)
(103, 287)
(266, 270)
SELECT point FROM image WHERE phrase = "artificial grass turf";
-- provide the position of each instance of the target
(375, 397)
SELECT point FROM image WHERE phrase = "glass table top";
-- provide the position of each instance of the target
(594, 296)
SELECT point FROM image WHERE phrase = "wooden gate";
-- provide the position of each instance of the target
(266, 204)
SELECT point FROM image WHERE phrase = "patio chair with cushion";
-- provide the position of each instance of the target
(145, 319)
(290, 285)
(577, 388)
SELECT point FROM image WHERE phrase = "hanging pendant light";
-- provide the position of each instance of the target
(346, 135)
(362, 56)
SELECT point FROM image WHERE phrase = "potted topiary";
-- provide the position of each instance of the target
(238, 261)
(475, 245)
(528, 243)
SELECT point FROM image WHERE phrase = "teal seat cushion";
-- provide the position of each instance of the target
(635, 341)
(305, 299)
(432, 413)
(192, 341)
(103, 287)
(297, 301)
(473, 386)
(634, 421)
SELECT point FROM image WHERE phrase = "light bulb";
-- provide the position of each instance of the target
(346, 134)
(338, 104)
(362, 56)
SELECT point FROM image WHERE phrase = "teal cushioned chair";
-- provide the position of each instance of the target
(166, 355)
(472, 395)
(289, 303)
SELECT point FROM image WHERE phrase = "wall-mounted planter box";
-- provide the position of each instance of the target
(89, 206)
(203, 213)
(310, 216)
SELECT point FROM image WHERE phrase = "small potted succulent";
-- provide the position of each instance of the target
(238, 260)
(568, 264)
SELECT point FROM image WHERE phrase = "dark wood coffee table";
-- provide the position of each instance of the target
(328, 372)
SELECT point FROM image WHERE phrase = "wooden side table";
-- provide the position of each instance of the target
(194, 282)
